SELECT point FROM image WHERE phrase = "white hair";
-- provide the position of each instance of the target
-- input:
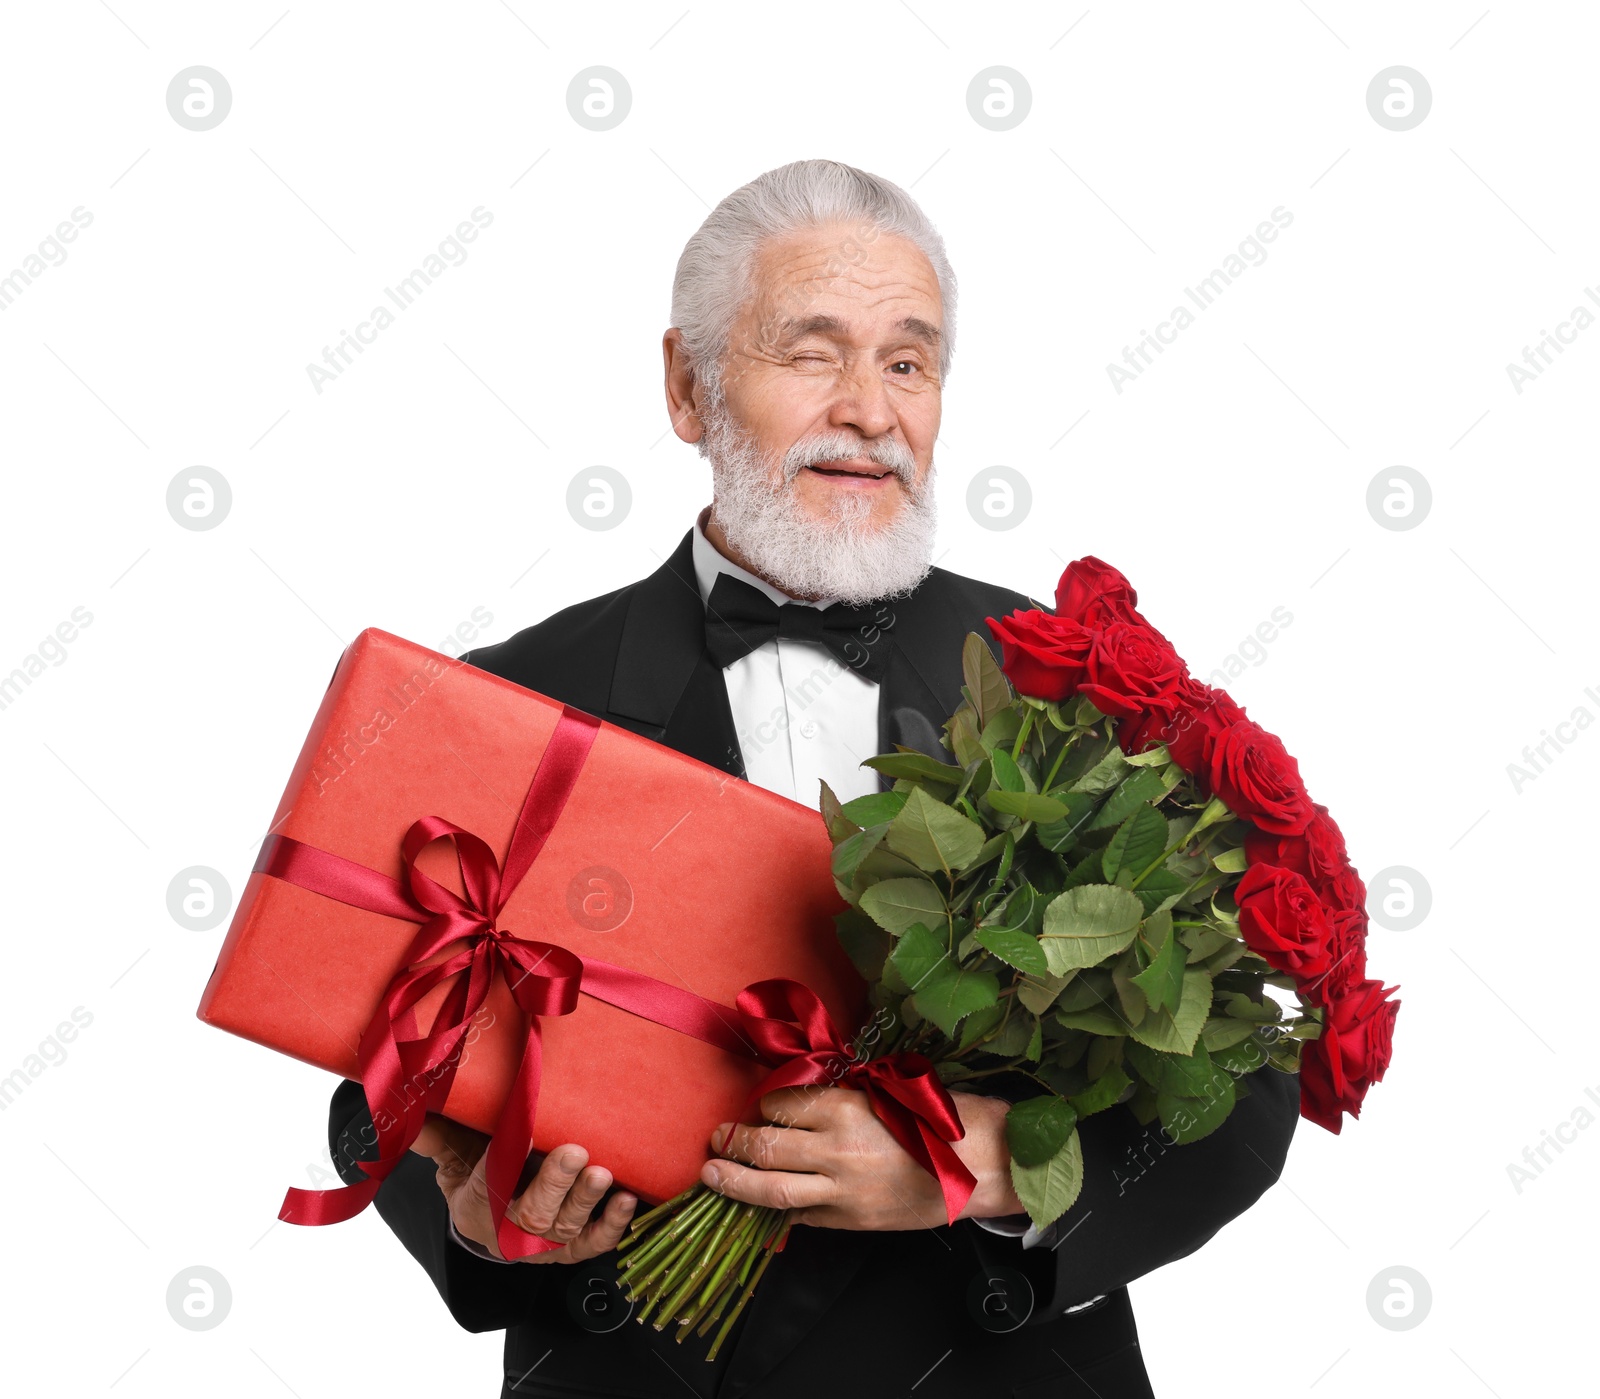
(713, 281)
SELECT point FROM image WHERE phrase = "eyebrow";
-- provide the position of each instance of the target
(914, 326)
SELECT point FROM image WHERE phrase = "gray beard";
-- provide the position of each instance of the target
(844, 556)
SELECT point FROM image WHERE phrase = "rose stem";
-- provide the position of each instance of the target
(636, 1227)
(735, 1268)
(671, 1228)
(718, 1265)
(744, 1296)
(673, 1246)
(684, 1279)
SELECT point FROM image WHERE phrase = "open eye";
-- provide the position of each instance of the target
(904, 367)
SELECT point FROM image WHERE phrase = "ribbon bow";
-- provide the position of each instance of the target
(406, 1074)
(793, 1031)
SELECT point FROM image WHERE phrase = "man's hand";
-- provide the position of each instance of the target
(557, 1204)
(825, 1153)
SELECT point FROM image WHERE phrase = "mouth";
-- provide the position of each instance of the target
(854, 469)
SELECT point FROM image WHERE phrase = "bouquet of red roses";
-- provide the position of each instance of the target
(1102, 893)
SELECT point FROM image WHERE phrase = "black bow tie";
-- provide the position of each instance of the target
(739, 618)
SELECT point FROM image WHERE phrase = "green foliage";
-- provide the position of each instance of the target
(1047, 904)
(1047, 1191)
(1086, 925)
(1038, 1128)
(895, 904)
(933, 836)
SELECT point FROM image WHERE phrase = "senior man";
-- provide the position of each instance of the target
(813, 323)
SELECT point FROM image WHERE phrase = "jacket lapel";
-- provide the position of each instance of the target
(664, 685)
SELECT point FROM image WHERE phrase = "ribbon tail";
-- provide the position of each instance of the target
(328, 1206)
(508, 1152)
(956, 1182)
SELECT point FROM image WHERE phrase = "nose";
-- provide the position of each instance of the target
(862, 401)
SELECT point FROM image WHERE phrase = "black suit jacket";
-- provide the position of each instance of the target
(839, 1312)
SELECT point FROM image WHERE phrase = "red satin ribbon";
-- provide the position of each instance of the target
(793, 1031)
(406, 1075)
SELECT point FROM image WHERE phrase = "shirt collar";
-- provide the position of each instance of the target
(709, 562)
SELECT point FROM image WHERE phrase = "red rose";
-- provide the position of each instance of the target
(1094, 593)
(1187, 720)
(1255, 776)
(1129, 668)
(1350, 1056)
(1318, 852)
(1342, 889)
(1041, 655)
(1281, 919)
(1348, 964)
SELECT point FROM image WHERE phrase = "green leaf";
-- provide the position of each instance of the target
(1151, 757)
(1058, 835)
(1187, 1075)
(896, 904)
(1015, 948)
(1230, 861)
(1047, 1191)
(1038, 993)
(1188, 1119)
(864, 941)
(979, 1023)
(951, 992)
(985, 681)
(1096, 1022)
(1176, 1032)
(990, 849)
(1162, 980)
(1007, 775)
(1102, 1093)
(917, 766)
(874, 809)
(1145, 786)
(1038, 1128)
(1202, 942)
(1014, 1038)
(1001, 729)
(1160, 890)
(851, 851)
(1137, 844)
(838, 821)
(1028, 805)
(962, 728)
(918, 955)
(1224, 1033)
(1104, 775)
(1084, 926)
(933, 836)
(1035, 1047)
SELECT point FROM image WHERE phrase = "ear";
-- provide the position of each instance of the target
(682, 392)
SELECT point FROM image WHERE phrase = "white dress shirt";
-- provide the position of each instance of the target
(802, 716)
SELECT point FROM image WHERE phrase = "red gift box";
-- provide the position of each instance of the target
(657, 863)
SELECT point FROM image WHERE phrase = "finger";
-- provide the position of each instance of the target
(602, 1234)
(779, 1190)
(808, 1108)
(536, 1208)
(768, 1147)
(454, 1148)
(591, 1184)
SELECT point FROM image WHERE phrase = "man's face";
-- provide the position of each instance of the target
(840, 340)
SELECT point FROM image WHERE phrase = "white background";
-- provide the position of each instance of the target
(430, 479)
